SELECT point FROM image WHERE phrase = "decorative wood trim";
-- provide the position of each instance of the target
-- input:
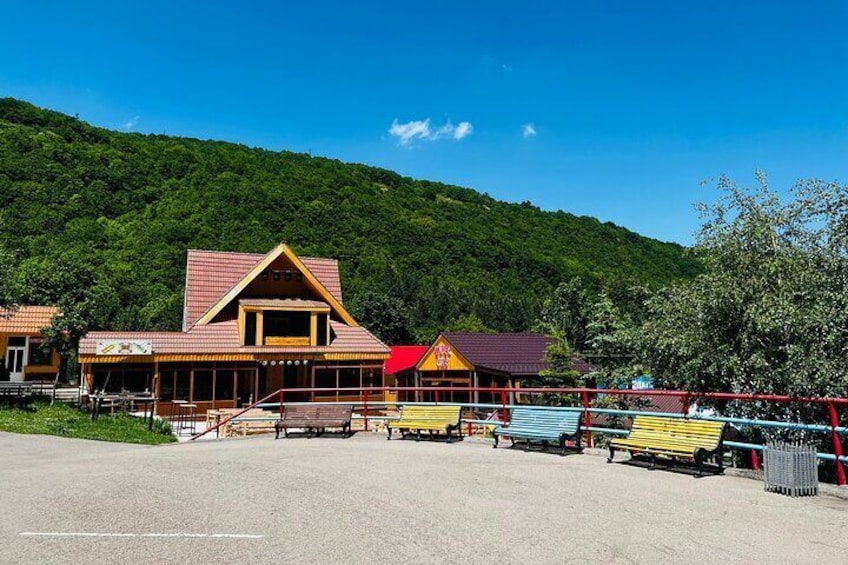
(266, 262)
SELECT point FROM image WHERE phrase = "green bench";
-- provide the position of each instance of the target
(542, 424)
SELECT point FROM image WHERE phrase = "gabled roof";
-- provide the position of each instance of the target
(27, 319)
(210, 275)
(404, 358)
(513, 353)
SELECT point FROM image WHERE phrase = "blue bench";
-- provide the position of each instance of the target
(542, 424)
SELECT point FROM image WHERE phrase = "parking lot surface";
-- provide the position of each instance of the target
(366, 500)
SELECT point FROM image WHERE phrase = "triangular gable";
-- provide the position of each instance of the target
(273, 255)
(443, 356)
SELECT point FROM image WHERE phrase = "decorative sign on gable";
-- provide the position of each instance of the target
(443, 355)
(124, 347)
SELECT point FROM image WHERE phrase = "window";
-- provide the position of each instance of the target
(166, 386)
(202, 385)
(349, 378)
(39, 354)
(182, 384)
(322, 329)
(224, 384)
(136, 380)
(250, 328)
(285, 324)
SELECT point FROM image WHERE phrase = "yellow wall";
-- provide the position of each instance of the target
(456, 362)
(41, 370)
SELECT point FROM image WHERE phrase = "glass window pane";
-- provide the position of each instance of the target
(202, 385)
(224, 384)
(349, 378)
(38, 354)
(182, 384)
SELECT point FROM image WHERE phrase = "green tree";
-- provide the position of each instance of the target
(770, 313)
(468, 323)
(385, 316)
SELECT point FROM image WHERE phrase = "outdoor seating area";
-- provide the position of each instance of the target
(15, 394)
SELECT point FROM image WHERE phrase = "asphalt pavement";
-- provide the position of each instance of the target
(367, 500)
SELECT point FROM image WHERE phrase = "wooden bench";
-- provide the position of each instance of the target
(673, 438)
(542, 424)
(315, 418)
(426, 418)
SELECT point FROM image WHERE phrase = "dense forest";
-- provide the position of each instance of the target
(101, 220)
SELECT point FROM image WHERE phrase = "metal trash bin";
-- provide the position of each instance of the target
(791, 469)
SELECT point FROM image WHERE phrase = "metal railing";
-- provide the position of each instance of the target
(373, 399)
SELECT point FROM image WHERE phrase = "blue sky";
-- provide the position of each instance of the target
(617, 110)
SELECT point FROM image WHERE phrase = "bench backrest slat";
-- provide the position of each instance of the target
(545, 418)
(700, 433)
(318, 412)
(448, 414)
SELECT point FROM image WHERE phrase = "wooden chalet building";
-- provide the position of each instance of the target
(252, 324)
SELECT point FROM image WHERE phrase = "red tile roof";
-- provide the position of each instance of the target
(223, 338)
(404, 358)
(27, 319)
(211, 274)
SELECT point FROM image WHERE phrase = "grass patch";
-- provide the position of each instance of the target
(67, 421)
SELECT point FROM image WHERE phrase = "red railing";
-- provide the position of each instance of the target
(585, 396)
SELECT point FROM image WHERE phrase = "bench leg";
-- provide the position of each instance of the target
(497, 437)
(720, 457)
(653, 461)
(276, 432)
(418, 435)
(699, 463)
(611, 455)
(562, 445)
(389, 429)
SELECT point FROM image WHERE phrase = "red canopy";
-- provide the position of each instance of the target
(404, 358)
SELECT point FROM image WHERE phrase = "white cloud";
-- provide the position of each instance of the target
(463, 129)
(421, 130)
(528, 130)
(410, 130)
(132, 123)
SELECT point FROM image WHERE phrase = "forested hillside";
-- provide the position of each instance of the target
(103, 220)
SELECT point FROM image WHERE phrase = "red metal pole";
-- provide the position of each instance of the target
(281, 404)
(587, 418)
(437, 396)
(685, 408)
(837, 444)
(365, 398)
(504, 415)
(755, 460)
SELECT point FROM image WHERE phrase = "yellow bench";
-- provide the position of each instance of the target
(426, 418)
(673, 438)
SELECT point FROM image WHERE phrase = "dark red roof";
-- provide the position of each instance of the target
(512, 353)
(404, 358)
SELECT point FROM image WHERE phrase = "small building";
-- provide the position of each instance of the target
(25, 355)
(252, 324)
(482, 360)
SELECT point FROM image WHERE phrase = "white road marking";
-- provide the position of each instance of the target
(137, 535)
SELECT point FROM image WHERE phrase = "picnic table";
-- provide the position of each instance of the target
(125, 401)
